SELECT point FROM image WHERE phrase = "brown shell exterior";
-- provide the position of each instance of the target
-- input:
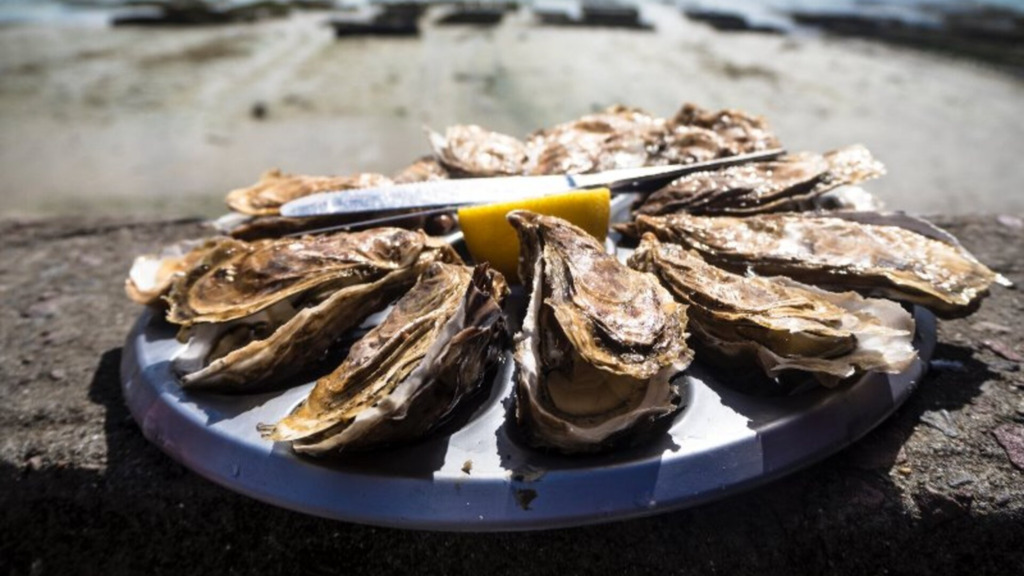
(888, 257)
(618, 137)
(617, 319)
(788, 320)
(778, 324)
(623, 137)
(742, 132)
(469, 150)
(425, 169)
(238, 278)
(275, 188)
(396, 349)
(790, 182)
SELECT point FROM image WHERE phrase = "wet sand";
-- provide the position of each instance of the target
(151, 122)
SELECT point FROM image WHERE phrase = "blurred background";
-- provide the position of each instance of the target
(158, 108)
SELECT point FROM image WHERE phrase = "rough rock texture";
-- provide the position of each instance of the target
(930, 491)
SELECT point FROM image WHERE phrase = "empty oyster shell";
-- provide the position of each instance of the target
(600, 343)
(789, 183)
(473, 151)
(778, 323)
(408, 373)
(894, 256)
(258, 313)
(275, 188)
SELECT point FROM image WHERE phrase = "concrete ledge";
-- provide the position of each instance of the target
(933, 490)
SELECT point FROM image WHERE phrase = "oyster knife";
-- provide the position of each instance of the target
(462, 192)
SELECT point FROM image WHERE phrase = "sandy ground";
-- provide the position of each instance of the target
(99, 120)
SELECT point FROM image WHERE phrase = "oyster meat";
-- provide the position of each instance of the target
(894, 256)
(779, 324)
(276, 188)
(600, 343)
(407, 374)
(789, 183)
(473, 151)
(256, 313)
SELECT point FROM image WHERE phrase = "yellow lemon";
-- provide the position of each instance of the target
(490, 238)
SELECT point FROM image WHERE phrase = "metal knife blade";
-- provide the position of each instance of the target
(462, 192)
(426, 195)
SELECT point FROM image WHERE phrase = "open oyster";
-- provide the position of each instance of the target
(275, 188)
(258, 313)
(473, 151)
(600, 343)
(408, 373)
(789, 183)
(778, 323)
(894, 256)
(152, 275)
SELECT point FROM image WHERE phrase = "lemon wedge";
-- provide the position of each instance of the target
(490, 238)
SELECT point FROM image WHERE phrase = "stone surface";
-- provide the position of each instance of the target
(82, 491)
(1011, 438)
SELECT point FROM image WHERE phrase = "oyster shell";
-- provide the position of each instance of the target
(845, 198)
(258, 313)
(600, 343)
(423, 170)
(473, 151)
(742, 132)
(275, 188)
(151, 275)
(251, 228)
(408, 373)
(272, 227)
(689, 144)
(622, 137)
(894, 256)
(258, 216)
(619, 137)
(239, 278)
(778, 323)
(791, 182)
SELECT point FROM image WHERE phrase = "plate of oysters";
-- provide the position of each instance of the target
(733, 326)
